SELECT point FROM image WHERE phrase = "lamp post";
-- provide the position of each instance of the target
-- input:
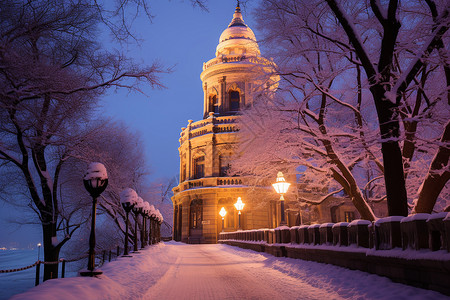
(95, 181)
(159, 220)
(281, 187)
(39, 250)
(144, 214)
(222, 213)
(128, 199)
(239, 206)
(137, 210)
(152, 214)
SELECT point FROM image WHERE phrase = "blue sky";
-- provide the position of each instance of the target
(179, 36)
(184, 37)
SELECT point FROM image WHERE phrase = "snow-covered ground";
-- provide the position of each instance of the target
(178, 271)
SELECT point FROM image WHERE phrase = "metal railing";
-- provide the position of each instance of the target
(100, 258)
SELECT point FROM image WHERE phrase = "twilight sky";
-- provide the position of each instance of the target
(183, 37)
(180, 36)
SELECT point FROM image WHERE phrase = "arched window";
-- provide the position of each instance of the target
(199, 167)
(234, 100)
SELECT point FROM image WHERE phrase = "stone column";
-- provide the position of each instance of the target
(189, 154)
(223, 105)
(209, 159)
(185, 220)
(205, 100)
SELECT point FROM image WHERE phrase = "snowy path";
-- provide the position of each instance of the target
(179, 271)
(212, 272)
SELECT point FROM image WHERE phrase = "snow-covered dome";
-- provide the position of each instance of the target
(238, 38)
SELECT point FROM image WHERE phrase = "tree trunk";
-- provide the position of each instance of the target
(51, 253)
(436, 179)
(394, 179)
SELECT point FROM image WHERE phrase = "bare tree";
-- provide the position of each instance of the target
(52, 72)
(387, 90)
(404, 75)
(122, 153)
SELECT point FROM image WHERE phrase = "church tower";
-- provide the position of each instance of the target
(230, 80)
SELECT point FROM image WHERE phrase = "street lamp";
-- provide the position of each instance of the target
(281, 187)
(137, 209)
(95, 181)
(239, 206)
(222, 213)
(128, 199)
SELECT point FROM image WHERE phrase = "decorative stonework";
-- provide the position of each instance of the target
(207, 145)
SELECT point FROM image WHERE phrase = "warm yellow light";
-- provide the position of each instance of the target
(239, 205)
(222, 212)
(281, 186)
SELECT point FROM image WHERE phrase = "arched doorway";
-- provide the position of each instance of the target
(195, 220)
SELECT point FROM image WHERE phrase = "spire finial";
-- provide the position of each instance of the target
(238, 7)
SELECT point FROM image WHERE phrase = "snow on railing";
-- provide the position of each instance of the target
(407, 233)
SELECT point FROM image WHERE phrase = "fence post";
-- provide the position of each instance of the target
(38, 267)
(109, 257)
(103, 256)
(63, 268)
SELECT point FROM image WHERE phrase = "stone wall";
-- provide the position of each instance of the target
(414, 250)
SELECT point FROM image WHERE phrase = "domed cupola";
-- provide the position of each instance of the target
(230, 79)
(238, 38)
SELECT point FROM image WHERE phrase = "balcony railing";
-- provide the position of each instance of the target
(237, 58)
(211, 125)
(208, 182)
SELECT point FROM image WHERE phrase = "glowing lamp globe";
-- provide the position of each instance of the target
(281, 186)
(239, 205)
(222, 212)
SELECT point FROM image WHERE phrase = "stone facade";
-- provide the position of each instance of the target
(230, 80)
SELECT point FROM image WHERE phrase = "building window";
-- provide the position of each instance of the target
(224, 166)
(349, 216)
(234, 100)
(195, 220)
(216, 104)
(213, 104)
(199, 167)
